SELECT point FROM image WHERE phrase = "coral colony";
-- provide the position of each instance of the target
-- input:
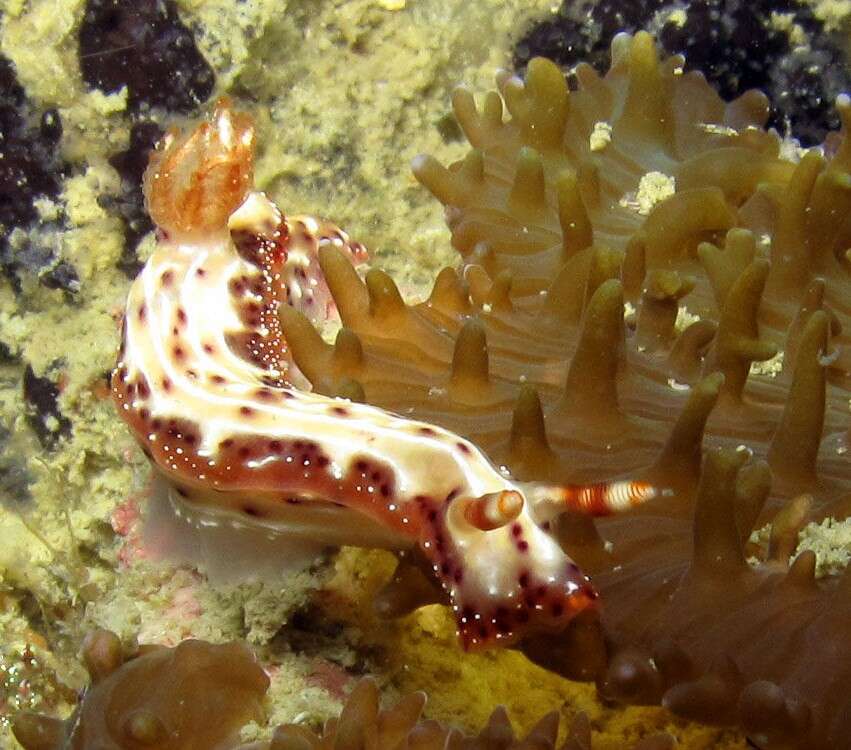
(651, 319)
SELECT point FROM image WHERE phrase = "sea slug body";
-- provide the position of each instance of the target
(206, 384)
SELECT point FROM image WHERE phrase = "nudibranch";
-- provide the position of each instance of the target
(206, 383)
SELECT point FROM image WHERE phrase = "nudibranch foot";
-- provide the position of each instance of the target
(251, 541)
(206, 383)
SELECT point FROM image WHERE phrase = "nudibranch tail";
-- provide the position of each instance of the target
(207, 385)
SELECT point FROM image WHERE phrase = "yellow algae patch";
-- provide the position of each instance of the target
(653, 188)
(41, 40)
(684, 318)
(93, 125)
(831, 541)
(225, 32)
(786, 22)
(770, 367)
(833, 13)
(23, 555)
(600, 136)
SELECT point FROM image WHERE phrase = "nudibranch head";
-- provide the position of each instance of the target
(505, 574)
(196, 180)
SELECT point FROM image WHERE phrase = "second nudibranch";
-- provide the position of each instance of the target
(206, 383)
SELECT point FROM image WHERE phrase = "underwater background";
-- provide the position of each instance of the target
(344, 96)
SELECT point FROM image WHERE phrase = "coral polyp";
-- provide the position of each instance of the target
(192, 697)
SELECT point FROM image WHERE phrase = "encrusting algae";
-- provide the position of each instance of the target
(528, 354)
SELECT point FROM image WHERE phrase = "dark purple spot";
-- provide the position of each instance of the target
(146, 48)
